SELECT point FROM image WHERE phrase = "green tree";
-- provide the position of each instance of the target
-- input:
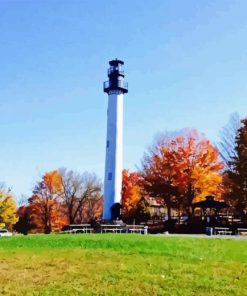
(24, 224)
(237, 175)
(227, 143)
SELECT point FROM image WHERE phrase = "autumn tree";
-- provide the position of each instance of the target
(201, 170)
(237, 173)
(8, 215)
(76, 190)
(182, 170)
(131, 193)
(159, 172)
(46, 210)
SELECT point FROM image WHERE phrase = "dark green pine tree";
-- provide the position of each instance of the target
(238, 174)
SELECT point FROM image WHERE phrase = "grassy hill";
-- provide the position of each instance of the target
(121, 264)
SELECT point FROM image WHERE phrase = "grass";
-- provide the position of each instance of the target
(97, 264)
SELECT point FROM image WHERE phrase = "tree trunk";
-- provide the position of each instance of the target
(169, 211)
(47, 229)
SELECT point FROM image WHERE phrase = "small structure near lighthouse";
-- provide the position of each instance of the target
(115, 87)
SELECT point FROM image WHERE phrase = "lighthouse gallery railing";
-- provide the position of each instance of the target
(120, 83)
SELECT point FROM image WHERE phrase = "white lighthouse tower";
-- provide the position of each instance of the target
(116, 87)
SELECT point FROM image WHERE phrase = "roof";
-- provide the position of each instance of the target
(116, 62)
(154, 201)
(210, 203)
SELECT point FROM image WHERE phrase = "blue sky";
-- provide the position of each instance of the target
(185, 61)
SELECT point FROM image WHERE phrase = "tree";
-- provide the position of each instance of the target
(227, 142)
(201, 170)
(159, 172)
(8, 215)
(24, 223)
(45, 209)
(131, 193)
(95, 206)
(237, 174)
(182, 170)
(142, 212)
(93, 197)
(76, 189)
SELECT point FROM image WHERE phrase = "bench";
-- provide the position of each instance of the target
(225, 232)
(242, 231)
(112, 228)
(80, 228)
(135, 230)
(142, 229)
(222, 231)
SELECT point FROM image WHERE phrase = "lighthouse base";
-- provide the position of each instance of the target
(116, 211)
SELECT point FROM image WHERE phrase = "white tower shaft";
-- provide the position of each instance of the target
(114, 153)
(115, 87)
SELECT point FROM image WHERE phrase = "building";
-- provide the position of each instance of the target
(155, 206)
(115, 87)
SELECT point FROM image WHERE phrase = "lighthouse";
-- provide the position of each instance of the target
(115, 87)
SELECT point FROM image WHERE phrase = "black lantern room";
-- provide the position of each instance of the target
(116, 83)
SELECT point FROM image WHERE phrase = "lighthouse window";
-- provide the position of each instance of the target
(109, 176)
(107, 144)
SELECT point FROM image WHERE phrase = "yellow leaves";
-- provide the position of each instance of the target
(189, 163)
(207, 182)
(8, 215)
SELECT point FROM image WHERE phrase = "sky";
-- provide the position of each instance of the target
(185, 62)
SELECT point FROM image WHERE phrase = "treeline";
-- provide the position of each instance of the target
(61, 197)
(185, 168)
(178, 169)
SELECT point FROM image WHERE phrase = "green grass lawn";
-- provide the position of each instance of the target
(121, 264)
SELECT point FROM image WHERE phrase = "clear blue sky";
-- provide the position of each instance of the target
(185, 61)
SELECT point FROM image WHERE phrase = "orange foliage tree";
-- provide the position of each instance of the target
(131, 193)
(45, 209)
(182, 170)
